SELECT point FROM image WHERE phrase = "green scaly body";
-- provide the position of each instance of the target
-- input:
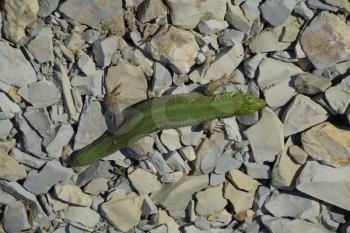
(166, 112)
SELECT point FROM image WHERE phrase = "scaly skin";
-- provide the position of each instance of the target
(166, 112)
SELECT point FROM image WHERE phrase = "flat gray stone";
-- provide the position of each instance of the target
(107, 14)
(86, 65)
(267, 41)
(46, 7)
(303, 10)
(82, 216)
(258, 171)
(288, 205)
(72, 194)
(332, 47)
(338, 96)
(236, 18)
(15, 217)
(40, 94)
(144, 182)
(276, 12)
(170, 139)
(91, 124)
(177, 163)
(205, 206)
(27, 159)
(161, 77)
(297, 154)
(326, 183)
(8, 106)
(212, 26)
(266, 148)
(150, 10)
(90, 85)
(62, 138)
(277, 225)
(15, 69)
(251, 9)
(41, 46)
(104, 50)
(99, 169)
(310, 84)
(302, 113)
(52, 173)
(5, 128)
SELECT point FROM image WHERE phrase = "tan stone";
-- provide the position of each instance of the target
(9, 168)
(240, 200)
(242, 181)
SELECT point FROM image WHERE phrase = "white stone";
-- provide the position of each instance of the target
(265, 148)
(288, 205)
(15, 69)
(174, 46)
(72, 194)
(338, 97)
(302, 113)
(326, 183)
(328, 144)
(276, 85)
(143, 181)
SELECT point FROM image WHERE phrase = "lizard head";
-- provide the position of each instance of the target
(250, 104)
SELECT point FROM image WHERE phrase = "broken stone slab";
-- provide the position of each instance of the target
(320, 5)
(230, 37)
(227, 162)
(310, 84)
(90, 85)
(5, 128)
(236, 18)
(242, 181)
(176, 162)
(257, 170)
(8, 106)
(74, 43)
(170, 139)
(302, 113)
(293, 206)
(297, 154)
(17, 16)
(332, 47)
(132, 80)
(187, 14)
(82, 217)
(41, 46)
(16, 70)
(205, 205)
(86, 64)
(46, 7)
(241, 200)
(168, 39)
(276, 12)
(10, 169)
(40, 94)
(208, 154)
(277, 225)
(338, 96)
(232, 129)
(97, 186)
(212, 26)
(191, 135)
(96, 170)
(104, 50)
(72, 194)
(266, 148)
(251, 9)
(144, 182)
(176, 196)
(328, 144)
(91, 124)
(225, 63)
(326, 183)
(6, 198)
(267, 41)
(52, 173)
(150, 10)
(276, 86)
(15, 217)
(343, 5)
(31, 140)
(284, 169)
(148, 207)
(123, 213)
(26, 159)
(106, 14)
(303, 10)
(161, 77)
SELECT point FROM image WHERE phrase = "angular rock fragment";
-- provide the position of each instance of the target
(143, 181)
(86, 65)
(46, 7)
(161, 77)
(15, 217)
(124, 213)
(72, 194)
(242, 181)
(96, 186)
(241, 200)
(267, 41)
(328, 144)
(40, 94)
(276, 12)
(297, 154)
(301, 114)
(5, 128)
(90, 85)
(167, 40)
(27, 159)
(258, 171)
(311, 84)
(212, 26)
(288, 205)
(338, 96)
(106, 14)
(41, 46)
(326, 183)
(82, 217)
(236, 18)
(15, 69)
(104, 49)
(205, 201)
(187, 14)
(150, 10)
(17, 16)
(52, 173)
(265, 148)
(9, 168)
(323, 44)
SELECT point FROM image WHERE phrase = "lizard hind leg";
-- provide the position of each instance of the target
(209, 89)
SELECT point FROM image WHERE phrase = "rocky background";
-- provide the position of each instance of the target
(282, 170)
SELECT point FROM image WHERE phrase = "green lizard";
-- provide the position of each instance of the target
(171, 111)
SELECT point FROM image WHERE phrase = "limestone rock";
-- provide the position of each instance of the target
(167, 40)
(310, 84)
(301, 114)
(41, 46)
(240, 200)
(72, 194)
(328, 144)
(267, 41)
(9, 168)
(170, 139)
(242, 181)
(46, 7)
(124, 213)
(297, 154)
(205, 201)
(17, 16)
(326, 183)
(82, 216)
(236, 18)
(107, 14)
(15, 217)
(188, 13)
(323, 44)
(143, 181)
(276, 12)
(338, 96)
(265, 148)
(150, 10)
(15, 69)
